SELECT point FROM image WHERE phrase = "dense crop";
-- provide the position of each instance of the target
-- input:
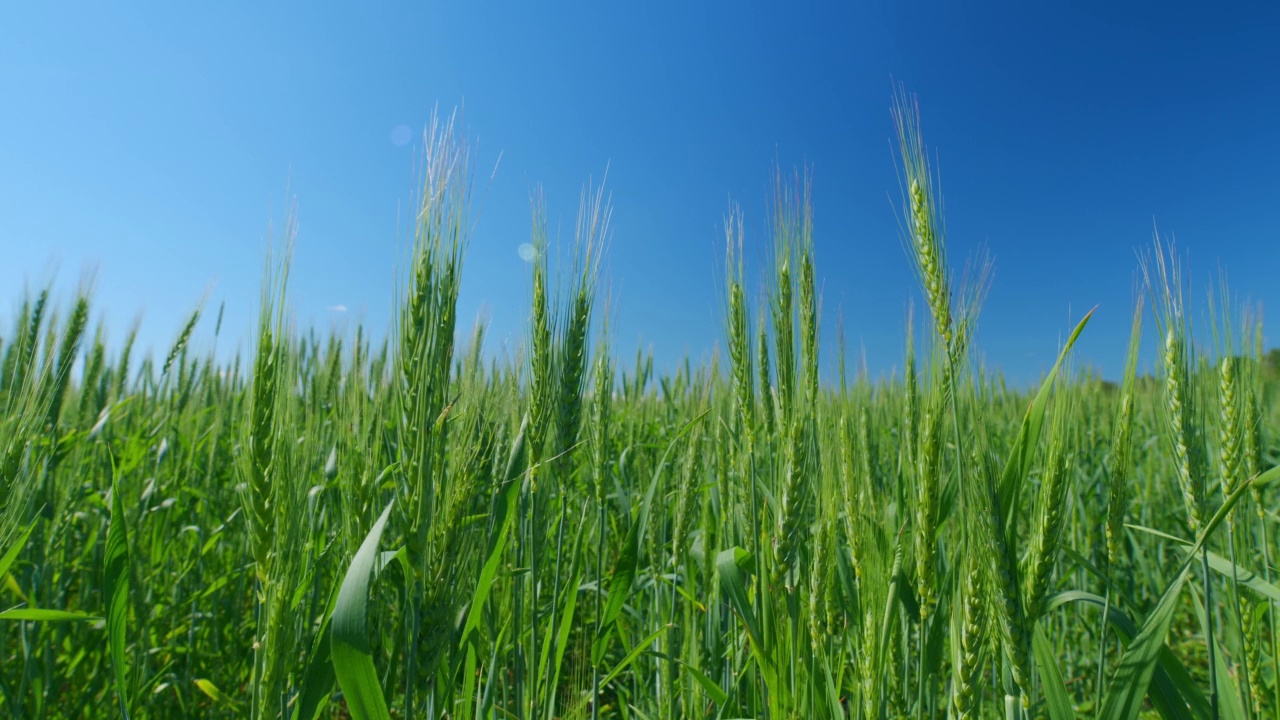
(346, 526)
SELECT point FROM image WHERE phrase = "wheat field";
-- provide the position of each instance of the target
(395, 524)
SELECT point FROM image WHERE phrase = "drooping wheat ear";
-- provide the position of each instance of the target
(738, 329)
(924, 233)
(1121, 461)
(969, 640)
(1050, 512)
(928, 472)
(767, 403)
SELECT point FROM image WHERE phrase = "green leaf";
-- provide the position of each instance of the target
(1055, 690)
(1247, 578)
(1171, 686)
(624, 570)
(352, 660)
(41, 615)
(466, 700)
(1223, 567)
(506, 509)
(1116, 590)
(718, 696)
(567, 612)
(1133, 675)
(116, 571)
(631, 656)
(208, 688)
(318, 680)
(1229, 706)
(1018, 466)
(734, 583)
(11, 554)
(1266, 478)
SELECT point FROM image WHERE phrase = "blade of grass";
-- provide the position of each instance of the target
(352, 660)
(116, 580)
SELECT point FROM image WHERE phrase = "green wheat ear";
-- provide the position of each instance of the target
(571, 362)
(928, 477)
(1051, 511)
(1182, 408)
(67, 350)
(968, 639)
(1121, 461)
(263, 427)
(540, 331)
(768, 399)
(923, 231)
(738, 329)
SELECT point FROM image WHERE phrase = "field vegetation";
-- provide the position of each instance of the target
(377, 525)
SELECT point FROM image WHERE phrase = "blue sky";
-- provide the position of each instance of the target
(153, 147)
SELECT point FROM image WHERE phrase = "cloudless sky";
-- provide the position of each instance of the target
(152, 147)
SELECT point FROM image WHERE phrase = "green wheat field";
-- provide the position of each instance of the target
(396, 525)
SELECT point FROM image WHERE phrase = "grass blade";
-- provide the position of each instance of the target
(116, 579)
(1057, 701)
(1133, 676)
(42, 615)
(11, 554)
(352, 660)
(1018, 466)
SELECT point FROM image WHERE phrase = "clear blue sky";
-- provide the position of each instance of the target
(155, 145)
